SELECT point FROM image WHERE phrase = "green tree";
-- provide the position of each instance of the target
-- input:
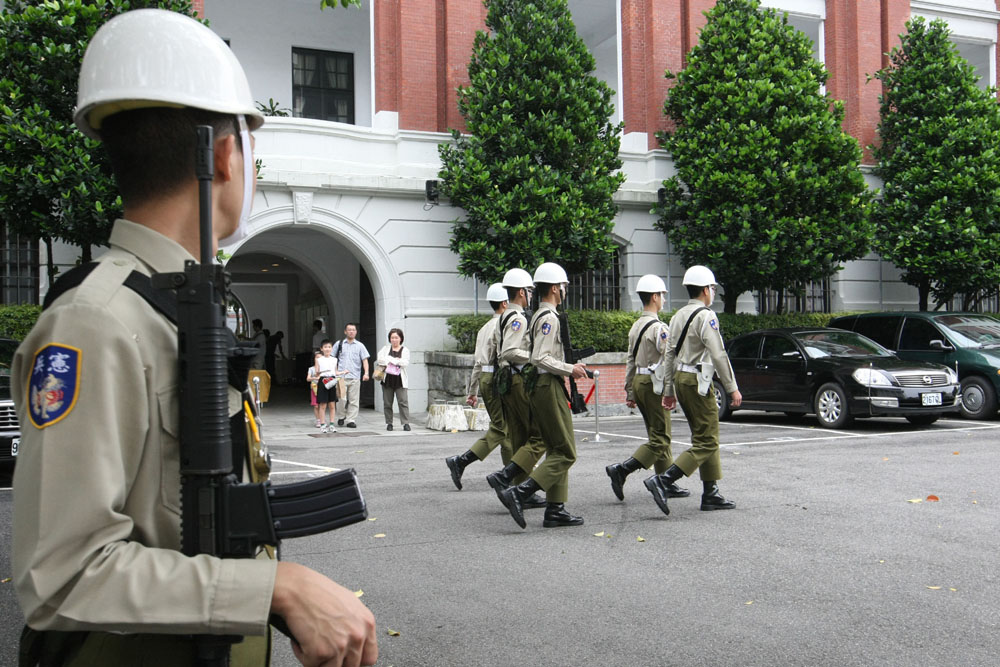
(939, 158)
(55, 183)
(537, 171)
(768, 192)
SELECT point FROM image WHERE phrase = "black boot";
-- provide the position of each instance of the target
(618, 472)
(502, 479)
(514, 496)
(711, 499)
(674, 491)
(457, 465)
(658, 485)
(556, 515)
(533, 502)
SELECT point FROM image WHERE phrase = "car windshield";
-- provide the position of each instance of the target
(971, 330)
(7, 349)
(839, 344)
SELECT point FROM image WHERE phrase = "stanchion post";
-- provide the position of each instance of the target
(597, 405)
(256, 393)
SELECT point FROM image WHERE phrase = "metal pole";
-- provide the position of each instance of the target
(597, 405)
(256, 393)
(475, 294)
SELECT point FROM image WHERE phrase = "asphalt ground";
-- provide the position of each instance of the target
(828, 558)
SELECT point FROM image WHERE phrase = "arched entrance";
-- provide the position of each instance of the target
(292, 273)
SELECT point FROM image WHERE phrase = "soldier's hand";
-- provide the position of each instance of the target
(471, 400)
(331, 626)
(735, 399)
(669, 402)
(630, 403)
(579, 370)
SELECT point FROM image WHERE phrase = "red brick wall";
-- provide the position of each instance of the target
(199, 7)
(611, 384)
(387, 54)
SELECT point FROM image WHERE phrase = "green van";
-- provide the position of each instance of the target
(968, 342)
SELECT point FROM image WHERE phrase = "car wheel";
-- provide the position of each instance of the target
(831, 406)
(721, 401)
(921, 420)
(979, 401)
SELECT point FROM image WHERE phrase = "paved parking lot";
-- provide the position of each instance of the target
(828, 558)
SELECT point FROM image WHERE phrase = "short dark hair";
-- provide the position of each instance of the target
(495, 305)
(543, 289)
(398, 331)
(318, 324)
(152, 150)
(646, 297)
(351, 324)
(257, 322)
(694, 291)
(512, 292)
(325, 341)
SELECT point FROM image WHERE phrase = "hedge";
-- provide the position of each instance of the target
(607, 330)
(16, 321)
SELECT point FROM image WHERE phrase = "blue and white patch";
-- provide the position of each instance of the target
(663, 335)
(515, 325)
(714, 324)
(546, 328)
(54, 384)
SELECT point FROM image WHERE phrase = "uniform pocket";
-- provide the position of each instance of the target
(169, 432)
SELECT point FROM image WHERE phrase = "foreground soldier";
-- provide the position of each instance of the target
(647, 347)
(698, 348)
(514, 351)
(96, 561)
(485, 357)
(549, 403)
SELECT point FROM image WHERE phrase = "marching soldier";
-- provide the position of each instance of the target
(96, 557)
(482, 377)
(697, 354)
(514, 351)
(549, 398)
(647, 344)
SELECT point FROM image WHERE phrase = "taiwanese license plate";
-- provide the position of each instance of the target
(14, 444)
(930, 399)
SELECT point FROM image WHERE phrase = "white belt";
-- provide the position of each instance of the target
(542, 371)
(687, 368)
(643, 371)
(517, 367)
(486, 369)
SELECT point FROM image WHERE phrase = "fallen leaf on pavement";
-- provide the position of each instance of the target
(372, 518)
(358, 593)
(915, 500)
(379, 534)
(750, 602)
(955, 453)
(934, 588)
(392, 633)
(640, 539)
(885, 458)
(953, 590)
(5, 580)
(359, 451)
(600, 534)
(932, 498)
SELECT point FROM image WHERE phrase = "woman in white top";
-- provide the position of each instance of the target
(392, 361)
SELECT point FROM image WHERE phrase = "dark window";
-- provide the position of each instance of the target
(776, 346)
(882, 330)
(745, 348)
(323, 85)
(18, 269)
(597, 290)
(917, 334)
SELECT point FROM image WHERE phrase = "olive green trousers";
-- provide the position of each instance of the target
(703, 417)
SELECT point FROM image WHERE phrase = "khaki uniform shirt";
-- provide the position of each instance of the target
(652, 349)
(97, 487)
(703, 340)
(547, 348)
(486, 347)
(516, 349)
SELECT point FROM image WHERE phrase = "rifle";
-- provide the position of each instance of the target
(577, 403)
(220, 515)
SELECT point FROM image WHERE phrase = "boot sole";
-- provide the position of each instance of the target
(709, 508)
(616, 488)
(559, 524)
(456, 474)
(650, 484)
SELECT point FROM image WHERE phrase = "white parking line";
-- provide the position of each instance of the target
(616, 435)
(309, 468)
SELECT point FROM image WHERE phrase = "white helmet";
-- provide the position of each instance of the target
(518, 278)
(699, 276)
(550, 273)
(651, 284)
(496, 293)
(156, 58)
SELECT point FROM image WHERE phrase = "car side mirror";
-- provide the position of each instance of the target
(794, 354)
(940, 345)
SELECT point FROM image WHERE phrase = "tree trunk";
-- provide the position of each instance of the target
(779, 308)
(729, 299)
(86, 254)
(923, 289)
(50, 264)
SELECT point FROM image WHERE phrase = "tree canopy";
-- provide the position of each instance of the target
(537, 169)
(768, 191)
(939, 158)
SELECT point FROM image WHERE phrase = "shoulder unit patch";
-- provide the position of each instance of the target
(54, 384)
(546, 328)
(714, 323)
(515, 325)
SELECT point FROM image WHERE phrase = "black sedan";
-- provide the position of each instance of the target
(837, 375)
(10, 433)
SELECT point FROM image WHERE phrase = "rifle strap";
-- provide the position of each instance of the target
(502, 324)
(684, 333)
(635, 348)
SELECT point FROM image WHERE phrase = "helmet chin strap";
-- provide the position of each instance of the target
(242, 230)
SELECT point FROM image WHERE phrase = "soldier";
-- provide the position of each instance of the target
(485, 358)
(549, 400)
(695, 357)
(514, 351)
(96, 560)
(647, 344)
